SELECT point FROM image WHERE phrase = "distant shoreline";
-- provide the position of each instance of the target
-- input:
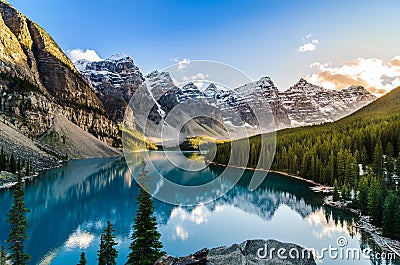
(9, 184)
(272, 171)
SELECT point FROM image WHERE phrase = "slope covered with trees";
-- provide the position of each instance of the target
(367, 142)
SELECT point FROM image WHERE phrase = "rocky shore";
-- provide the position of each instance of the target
(251, 252)
(364, 224)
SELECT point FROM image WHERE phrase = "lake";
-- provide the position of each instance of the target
(70, 207)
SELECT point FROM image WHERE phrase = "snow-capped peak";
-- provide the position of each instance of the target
(356, 89)
(159, 76)
(81, 64)
(265, 81)
(304, 86)
(118, 57)
(302, 81)
(212, 86)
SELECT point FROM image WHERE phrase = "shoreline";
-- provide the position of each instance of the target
(362, 223)
(297, 177)
(272, 171)
(10, 184)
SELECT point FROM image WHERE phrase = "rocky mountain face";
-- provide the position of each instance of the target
(302, 104)
(264, 93)
(114, 80)
(308, 104)
(38, 82)
(247, 252)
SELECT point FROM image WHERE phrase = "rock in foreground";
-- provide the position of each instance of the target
(251, 252)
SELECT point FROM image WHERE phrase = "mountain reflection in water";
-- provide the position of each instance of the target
(70, 207)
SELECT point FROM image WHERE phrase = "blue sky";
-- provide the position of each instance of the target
(351, 41)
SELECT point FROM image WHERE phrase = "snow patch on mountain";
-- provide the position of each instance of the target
(300, 105)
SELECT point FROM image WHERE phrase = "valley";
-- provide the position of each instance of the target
(120, 159)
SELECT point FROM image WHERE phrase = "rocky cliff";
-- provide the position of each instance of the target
(308, 104)
(302, 104)
(39, 82)
(245, 253)
(114, 80)
(117, 78)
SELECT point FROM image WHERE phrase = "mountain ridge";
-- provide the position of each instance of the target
(333, 151)
(301, 104)
(38, 82)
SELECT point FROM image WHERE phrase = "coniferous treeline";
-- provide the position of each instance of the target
(335, 154)
(18, 226)
(14, 165)
(330, 152)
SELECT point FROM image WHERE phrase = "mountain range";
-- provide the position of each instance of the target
(52, 108)
(302, 104)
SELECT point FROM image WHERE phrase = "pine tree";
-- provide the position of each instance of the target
(340, 166)
(19, 165)
(396, 211)
(389, 150)
(390, 164)
(18, 225)
(82, 259)
(378, 158)
(362, 196)
(27, 168)
(364, 157)
(13, 165)
(3, 256)
(331, 167)
(304, 168)
(107, 253)
(345, 191)
(2, 160)
(146, 247)
(397, 169)
(388, 216)
(335, 191)
(376, 199)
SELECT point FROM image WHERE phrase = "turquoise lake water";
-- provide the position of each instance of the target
(70, 207)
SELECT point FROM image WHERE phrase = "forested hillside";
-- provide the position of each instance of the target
(334, 153)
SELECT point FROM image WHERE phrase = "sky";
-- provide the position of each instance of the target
(330, 43)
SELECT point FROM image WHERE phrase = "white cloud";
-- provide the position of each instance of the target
(395, 62)
(79, 54)
(308, 36)
(324, 228)
(182, 64)
(311, 44)
(198, 76)
(180, 233)
(79, 239)
(307, 47)
(376, 75)
(201, 76)
(198, 215)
